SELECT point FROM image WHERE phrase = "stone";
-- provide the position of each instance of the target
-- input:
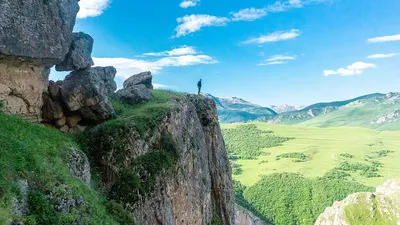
(61, 122)
(40, 31)
(141, 78)
(79, 55)
(73, 120)
(244, 217)
(64, 129)
(77, 129)
(21, 88)
(20, 205)
(54, 91)
(88, 91)
(135, 94)
(52, 110)
(79, 165)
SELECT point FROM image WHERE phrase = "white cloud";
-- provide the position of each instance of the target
(188, 3)
(279, 6)
(184, 50)
(353, 69)
(380, 56)
(192, 23)
(128, 67)
(249, 14)
(92, 8)
(160, 86)
(385, 39)
(277, 60)
(280, 58)
(274, 37)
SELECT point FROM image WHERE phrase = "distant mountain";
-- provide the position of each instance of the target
(378, 111)
(285, 108)
(237, 110)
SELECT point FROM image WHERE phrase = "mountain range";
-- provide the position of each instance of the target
(378, 111)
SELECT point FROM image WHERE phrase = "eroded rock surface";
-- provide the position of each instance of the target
(197, 188)
(381, 207)
(21, 88)
(244, 217)
(135, 94)
(141, 78)
(40, 31)
(79, 55)
(88, 91)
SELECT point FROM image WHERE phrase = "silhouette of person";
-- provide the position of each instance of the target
(199, 86)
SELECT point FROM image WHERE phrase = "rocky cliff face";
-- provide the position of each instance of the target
(381, 207)
(34, 35)
(177, 172)
(244, 217)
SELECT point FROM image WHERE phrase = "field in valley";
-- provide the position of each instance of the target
(318, 151)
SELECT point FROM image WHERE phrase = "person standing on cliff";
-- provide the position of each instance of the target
(199, 86)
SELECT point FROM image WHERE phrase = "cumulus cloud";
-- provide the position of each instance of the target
(184, 50)
(353, 69)
(279, 6)
(92, 8)
(127, 67)
(192, 23)
(380, 56)
(274, 37)
(249, 14)
(188, 3)
(384, 39)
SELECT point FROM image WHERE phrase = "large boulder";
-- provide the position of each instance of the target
(88, 91)
(39, 30)
(79, 55)
(52, 110)
(141, 78)
(135, 94)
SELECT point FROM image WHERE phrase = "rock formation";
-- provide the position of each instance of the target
(244, 217)
(197, 189)
(137, 88)
(79, 55)
(381, 207)
(34, 35)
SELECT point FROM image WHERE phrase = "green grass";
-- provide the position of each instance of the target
(326, 145)
(32, 152)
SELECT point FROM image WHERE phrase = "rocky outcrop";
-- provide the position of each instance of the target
(79, 165)
(387, 118)
(21, 88)
(38, 31)
(34, 35)
(79, 55)
(175, 173)
(381, 207)
(137, 88)
(144, 78)
(244, 217)
(88, 91)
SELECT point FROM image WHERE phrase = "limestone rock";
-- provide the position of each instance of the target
(20, 205)
(79, 55)
(135, 94)
(79, 165)
(244, 217)
(88, 90)
(198, 185)
(52, 110)
(61, 122)
(21, 88)
(37, 30)
(54, 91)
(141, 78)
(73, 120)
(381, 207)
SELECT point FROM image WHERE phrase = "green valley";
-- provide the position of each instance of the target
(290, 174)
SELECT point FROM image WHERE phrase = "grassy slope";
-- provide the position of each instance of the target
(326, 144)
(358, 116)
(30, 151)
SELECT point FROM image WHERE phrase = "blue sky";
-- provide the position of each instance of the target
(295, 52)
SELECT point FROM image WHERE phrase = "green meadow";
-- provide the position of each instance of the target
(313, 152)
